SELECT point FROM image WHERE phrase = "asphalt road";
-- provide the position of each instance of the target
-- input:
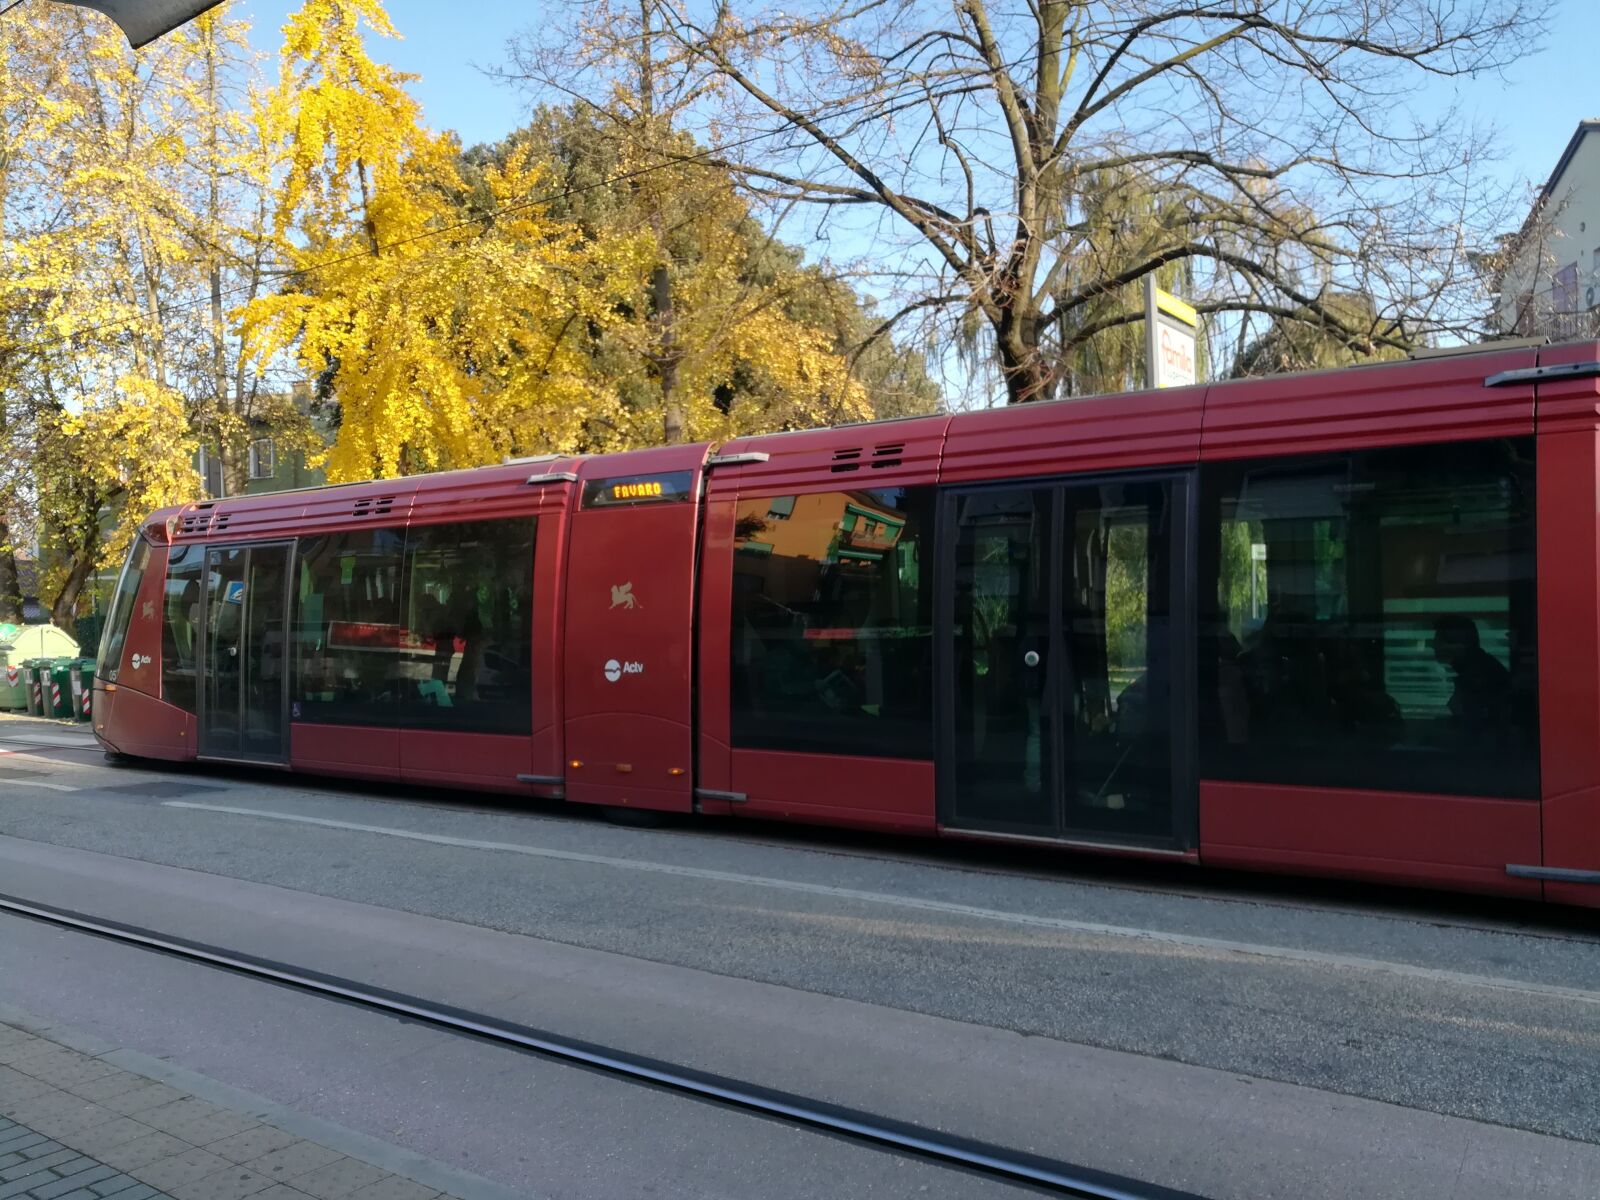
(1237, 1037)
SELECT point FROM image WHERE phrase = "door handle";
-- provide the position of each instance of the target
(233, 652)
(1031, 658)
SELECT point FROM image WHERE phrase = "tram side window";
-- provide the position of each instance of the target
(832, 643)
(469, 627)
(1374, 620)
(180, 627)
(349, 661)
(116, 630)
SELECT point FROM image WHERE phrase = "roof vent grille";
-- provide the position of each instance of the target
(219, 522)
(887, 456)
(194, 522)
(844, 460)
(374, 506)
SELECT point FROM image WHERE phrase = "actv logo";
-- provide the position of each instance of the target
(616, 670)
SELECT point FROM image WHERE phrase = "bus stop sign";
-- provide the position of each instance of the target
(1170, 329)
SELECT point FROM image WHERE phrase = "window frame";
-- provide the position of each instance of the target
(209, 464)
(255, 457)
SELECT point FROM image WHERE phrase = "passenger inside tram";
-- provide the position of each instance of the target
(1481, 702)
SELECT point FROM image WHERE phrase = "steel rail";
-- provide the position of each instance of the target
(979, 1157)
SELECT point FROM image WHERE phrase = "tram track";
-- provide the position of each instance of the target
(14, 746)
(1042, 1174)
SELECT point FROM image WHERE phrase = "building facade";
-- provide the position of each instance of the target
(1550, 282)
(268, 467)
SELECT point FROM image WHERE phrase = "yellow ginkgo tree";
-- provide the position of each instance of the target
(446, 339)
(458, 308)
(97, 210)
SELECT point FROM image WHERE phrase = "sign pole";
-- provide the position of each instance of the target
(1152, 345)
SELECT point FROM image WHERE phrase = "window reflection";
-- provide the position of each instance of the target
(428, 628)
(180, 631)
(468, 645)
(1374, 620)
(347, 628)
(116, 630)
(832, 623)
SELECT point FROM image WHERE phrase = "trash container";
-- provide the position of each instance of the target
(21, 645)
(30, 676)
(61, 671)
(13, 692)
(83, 688)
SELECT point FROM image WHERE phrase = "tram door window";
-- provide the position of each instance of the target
(1116, 600)
(1004, 770)
(246, 651)
(468, 619)
(1061, 697)
(1372, 620)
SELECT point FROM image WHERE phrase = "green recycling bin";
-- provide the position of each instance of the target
(21, 646)
(59, 685)
(83, 688)
(30, 677)
(13, 691)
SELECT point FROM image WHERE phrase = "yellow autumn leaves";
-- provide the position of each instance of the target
(457, 330)
(185, 240)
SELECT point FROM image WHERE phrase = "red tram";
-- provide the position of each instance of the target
(1340, 623)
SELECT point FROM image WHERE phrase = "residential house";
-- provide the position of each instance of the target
(1549, 283)
(269, 467)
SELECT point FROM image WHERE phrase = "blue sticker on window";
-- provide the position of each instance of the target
(235, 592)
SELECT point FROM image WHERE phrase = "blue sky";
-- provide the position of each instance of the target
(444, 43)
(1536, 105)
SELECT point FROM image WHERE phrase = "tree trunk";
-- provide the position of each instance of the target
(10, 582)
(64, 612)
(1027, 376)
(235, 471)
(674, 422)
(234, 477)
(674, 427)
(367, 222)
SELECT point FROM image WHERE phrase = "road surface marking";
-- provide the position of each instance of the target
(1315, 958)
(54, 787)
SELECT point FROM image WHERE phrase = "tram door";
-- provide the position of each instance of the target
(244, 697)
(1067, 618)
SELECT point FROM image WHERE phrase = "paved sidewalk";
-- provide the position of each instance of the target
(73, 1127)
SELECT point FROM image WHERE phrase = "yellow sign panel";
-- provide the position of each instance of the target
(1177, 309)
(643, 489)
